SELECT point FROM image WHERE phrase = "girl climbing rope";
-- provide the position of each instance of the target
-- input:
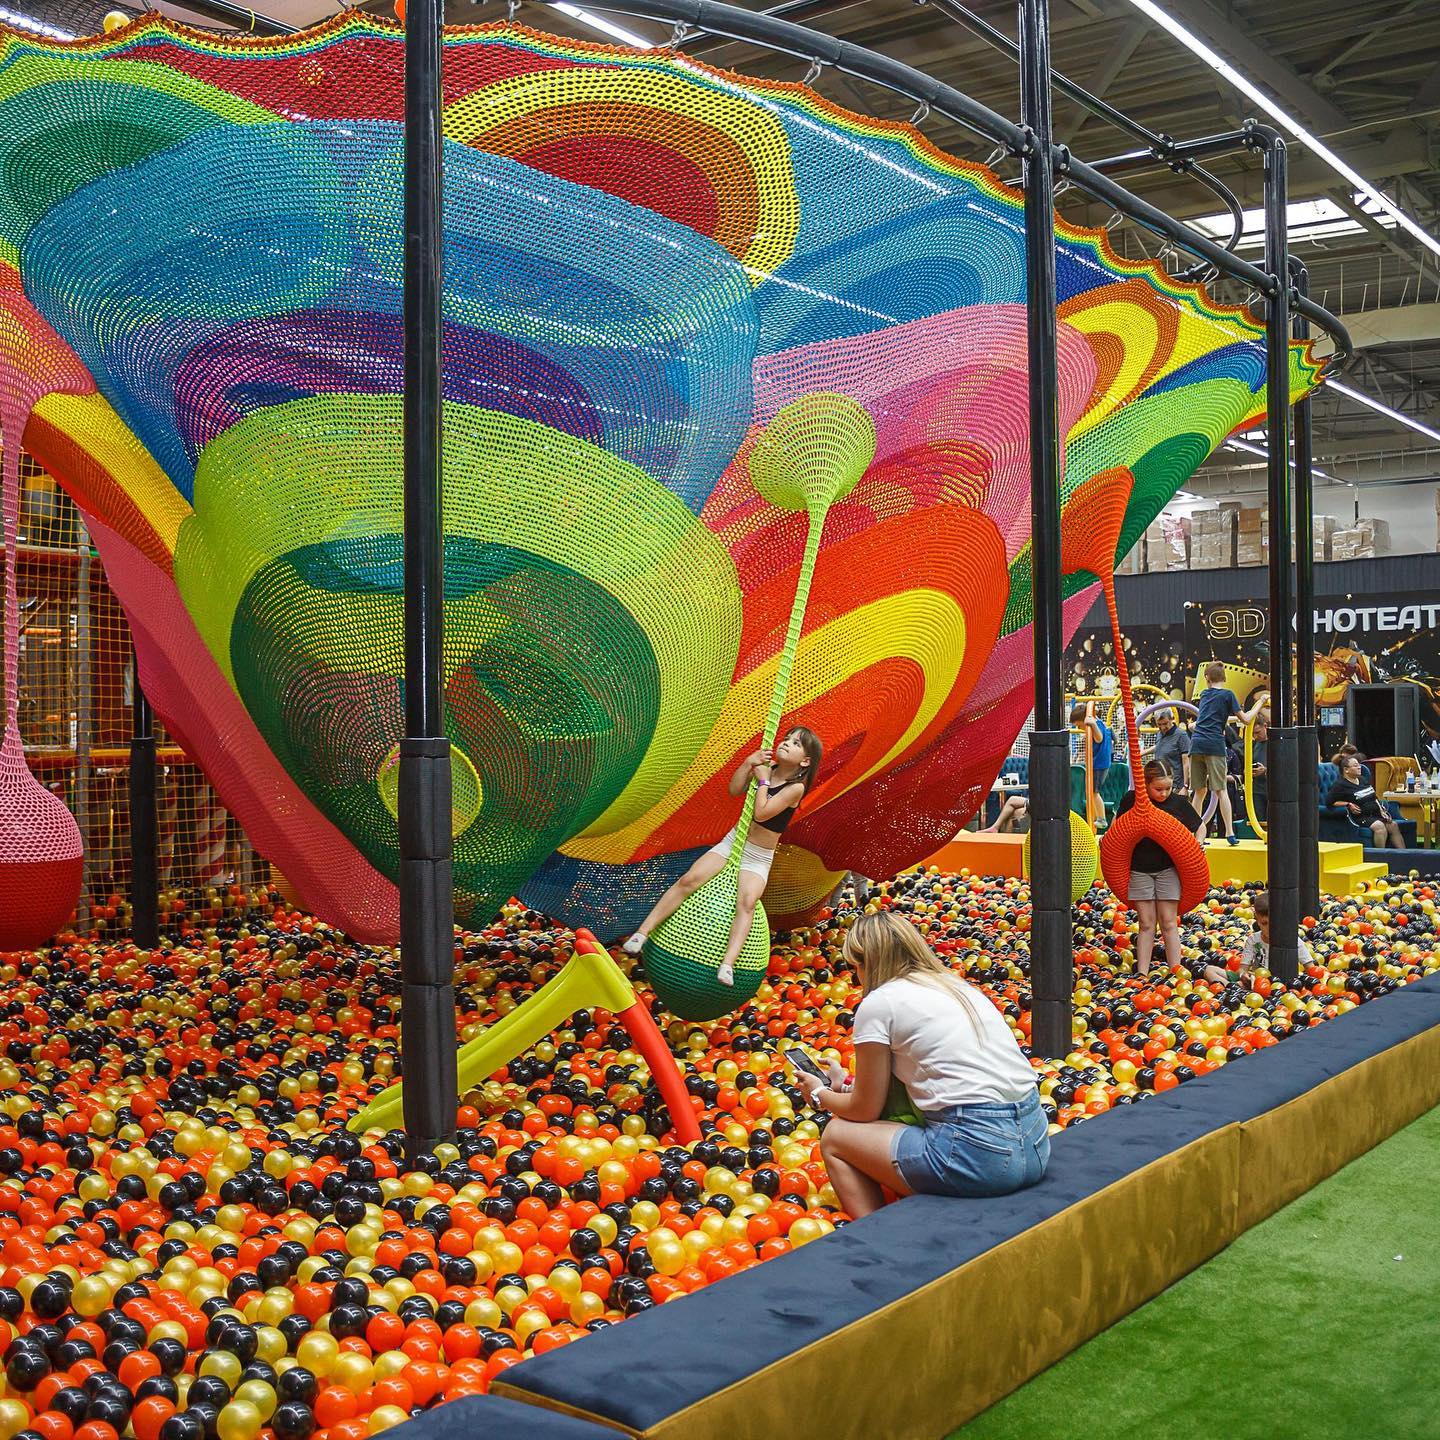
(782, 780)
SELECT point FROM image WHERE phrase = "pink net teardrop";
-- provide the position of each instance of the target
(41, 860)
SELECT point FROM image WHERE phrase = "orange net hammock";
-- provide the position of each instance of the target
(1097, 512)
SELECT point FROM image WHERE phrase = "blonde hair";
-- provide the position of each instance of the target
(892, 949)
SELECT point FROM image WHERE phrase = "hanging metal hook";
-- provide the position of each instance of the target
(511, 7)
(995, 157)
(1061, 186)
(1116, 219)
(812, 74)
(679, 34)
(922, 112)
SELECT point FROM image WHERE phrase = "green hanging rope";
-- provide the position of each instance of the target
(809, 456)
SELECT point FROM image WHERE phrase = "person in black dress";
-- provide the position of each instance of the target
(1353, 795)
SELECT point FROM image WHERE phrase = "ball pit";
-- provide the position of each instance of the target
(192, 1246)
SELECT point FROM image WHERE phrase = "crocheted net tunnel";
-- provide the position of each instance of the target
(646, 261)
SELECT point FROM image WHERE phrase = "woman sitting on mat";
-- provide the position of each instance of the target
(984, 1132)
(784, 778)
(1154, 880)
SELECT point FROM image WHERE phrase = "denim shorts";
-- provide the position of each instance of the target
(975, 1150)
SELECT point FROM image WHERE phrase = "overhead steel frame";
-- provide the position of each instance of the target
(430, 1074)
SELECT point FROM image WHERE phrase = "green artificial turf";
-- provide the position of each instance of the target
(1322, 1323)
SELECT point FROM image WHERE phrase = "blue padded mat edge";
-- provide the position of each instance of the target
(778, 1308)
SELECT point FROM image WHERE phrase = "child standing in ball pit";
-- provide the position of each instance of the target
(784, 777)
(1217, 705)
(1154, 881)
(984, 1132)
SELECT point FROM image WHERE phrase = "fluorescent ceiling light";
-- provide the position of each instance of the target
(1394, 414)
(1197, 46)
(1305, 220)
(1235, 443)
(607, 27)
(16, 21)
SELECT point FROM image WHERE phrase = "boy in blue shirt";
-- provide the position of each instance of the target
(1217, 706)
(1101, 739)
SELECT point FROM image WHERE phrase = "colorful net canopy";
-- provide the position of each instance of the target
(645, 260)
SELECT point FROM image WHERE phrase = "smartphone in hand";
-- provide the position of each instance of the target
(805, 1063)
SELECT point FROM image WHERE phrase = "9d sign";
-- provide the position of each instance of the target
(1236, 622)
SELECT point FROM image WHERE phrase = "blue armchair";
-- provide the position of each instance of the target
(1340, 827)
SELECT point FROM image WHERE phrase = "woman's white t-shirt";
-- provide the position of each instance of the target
(938, 1054)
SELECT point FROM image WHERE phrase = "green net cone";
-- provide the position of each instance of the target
(684, 954)
(899, 1107)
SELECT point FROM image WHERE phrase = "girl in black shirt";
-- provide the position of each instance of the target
(1354, 795)
(1154, 881)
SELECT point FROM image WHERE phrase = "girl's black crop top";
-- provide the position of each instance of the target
(776, 823)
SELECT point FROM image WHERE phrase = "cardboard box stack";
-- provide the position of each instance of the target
(1367, 538)
(1134, 562)
(1322, 532)
(1250, 543)
(1212, 539)
(1176, 529)
(1152, 543)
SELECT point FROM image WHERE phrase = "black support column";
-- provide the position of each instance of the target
(1282, 756)
(427, 934)
(1307, 733)
(1051, 954)
(144, 875)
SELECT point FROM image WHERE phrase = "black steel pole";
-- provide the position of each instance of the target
(144, 874)
(1051, 955)
(1307, 733)
(237, 17)
(1282, 758)
(427, 927)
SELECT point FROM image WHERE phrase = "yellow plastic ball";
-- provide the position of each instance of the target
(354, 1372)
(317, 1352)
(115, 20)
(239, 1421)
(14, 1417)
(223, 1365)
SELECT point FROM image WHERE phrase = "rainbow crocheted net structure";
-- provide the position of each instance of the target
(645, 261)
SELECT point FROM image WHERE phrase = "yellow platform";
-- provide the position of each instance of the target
(1343, 867)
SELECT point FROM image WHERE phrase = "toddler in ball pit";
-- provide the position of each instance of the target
(983, 1131)
(1255, 955)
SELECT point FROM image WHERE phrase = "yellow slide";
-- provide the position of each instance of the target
(589, 980)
